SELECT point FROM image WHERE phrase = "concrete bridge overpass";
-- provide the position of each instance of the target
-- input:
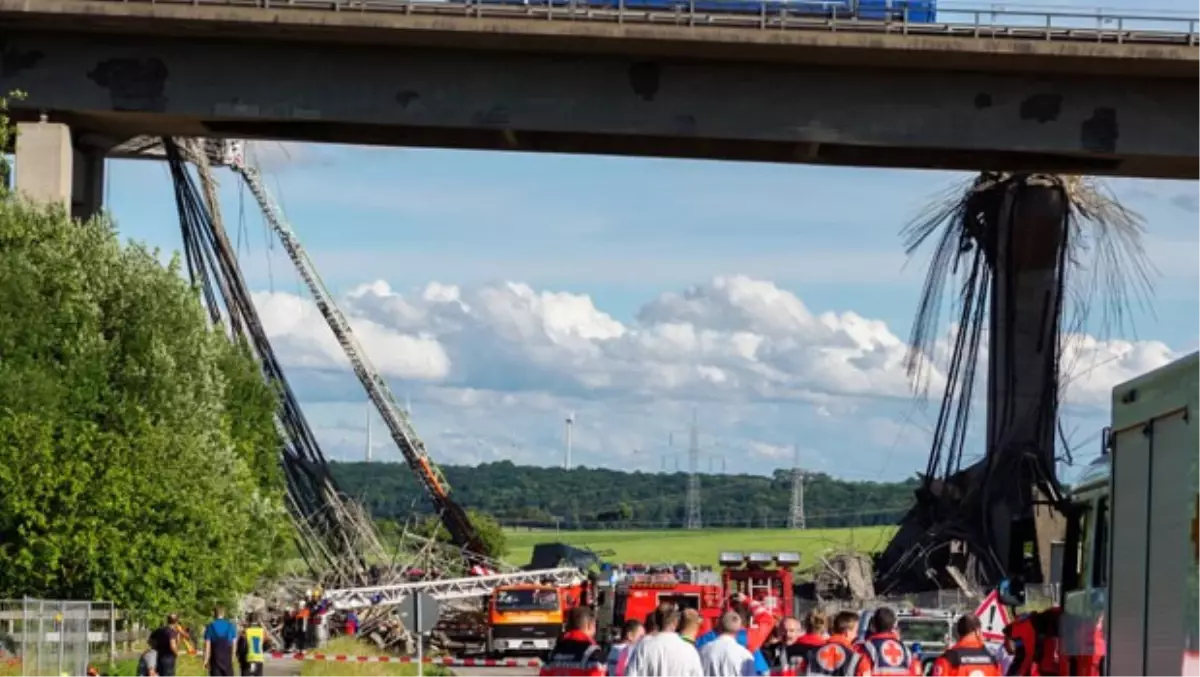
(969, 95)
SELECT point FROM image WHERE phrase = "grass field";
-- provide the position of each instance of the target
(702, 546)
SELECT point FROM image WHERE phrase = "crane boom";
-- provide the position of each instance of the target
(455, 519)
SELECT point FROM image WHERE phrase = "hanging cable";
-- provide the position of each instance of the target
(313, 495)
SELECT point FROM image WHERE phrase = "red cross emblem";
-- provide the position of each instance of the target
(831, 657)
(892, 653)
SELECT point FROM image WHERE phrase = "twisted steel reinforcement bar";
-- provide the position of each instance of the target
(966, 22)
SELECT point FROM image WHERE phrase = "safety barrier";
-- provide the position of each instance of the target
(1068, 24)
(436, 660)
(403, 659)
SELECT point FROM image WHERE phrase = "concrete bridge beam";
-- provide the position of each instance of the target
(415, 96)
(51, 167)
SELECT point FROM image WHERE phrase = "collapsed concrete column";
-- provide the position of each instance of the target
(52, 169)
(1028, 246)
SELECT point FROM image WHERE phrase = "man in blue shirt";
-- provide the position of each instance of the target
(220, 640)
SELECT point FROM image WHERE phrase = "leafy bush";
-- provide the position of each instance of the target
(137, 451)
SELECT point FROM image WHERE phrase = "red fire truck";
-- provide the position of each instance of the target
(762, 576)
(636, 595)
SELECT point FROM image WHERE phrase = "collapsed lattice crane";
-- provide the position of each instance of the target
(335, 538)
(455, 519)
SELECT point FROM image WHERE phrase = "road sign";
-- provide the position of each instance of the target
(419, 612)
(993, 617)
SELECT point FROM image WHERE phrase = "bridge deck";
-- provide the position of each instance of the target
(208, 68)
(977, 41)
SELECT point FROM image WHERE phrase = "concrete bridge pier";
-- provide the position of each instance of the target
(54, 166)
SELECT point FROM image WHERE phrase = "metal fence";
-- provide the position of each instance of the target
(57, 637)
(1036, 597)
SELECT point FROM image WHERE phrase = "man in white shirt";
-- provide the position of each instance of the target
(724, 656)
(665, 653)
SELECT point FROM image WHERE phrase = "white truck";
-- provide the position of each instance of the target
(1130, 561)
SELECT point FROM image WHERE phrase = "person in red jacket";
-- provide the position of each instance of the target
(816, 626)
(1033, 641)
(969, 657)
(837, 656)
(576, 653)
(799, 641)
(882, 649)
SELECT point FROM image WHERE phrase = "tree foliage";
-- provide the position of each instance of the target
(490, 532)
(590, 498)
(137, 451)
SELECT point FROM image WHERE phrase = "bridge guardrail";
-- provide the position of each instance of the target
(1100, 26)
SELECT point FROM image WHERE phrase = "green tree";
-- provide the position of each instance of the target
(490, 532)
(582, 498)
(137, 450)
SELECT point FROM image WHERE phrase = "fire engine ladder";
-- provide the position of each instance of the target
(462, 532)
(447, 589)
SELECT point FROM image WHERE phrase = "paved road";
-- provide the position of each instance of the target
(486, 672)
(282, 668)
(292, 669)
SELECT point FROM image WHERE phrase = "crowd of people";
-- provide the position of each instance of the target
(226, 644)
(747, 640)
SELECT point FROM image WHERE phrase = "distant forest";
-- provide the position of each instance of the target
(595, 498)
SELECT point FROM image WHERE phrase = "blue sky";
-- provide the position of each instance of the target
(602, 322)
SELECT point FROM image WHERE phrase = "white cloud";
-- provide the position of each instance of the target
(302, 337)
(496, 367)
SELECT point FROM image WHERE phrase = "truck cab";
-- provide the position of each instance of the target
(525, 618)
(1129, 560)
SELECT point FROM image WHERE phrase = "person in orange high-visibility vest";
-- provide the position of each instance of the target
(969, 657)
(576, 653)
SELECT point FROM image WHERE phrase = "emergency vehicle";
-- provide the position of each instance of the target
(926, 632)
(528, 618)
(1130, 556)
(625, 596)
(762, 576)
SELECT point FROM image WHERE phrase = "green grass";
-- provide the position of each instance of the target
(702, 546)
(126, 666)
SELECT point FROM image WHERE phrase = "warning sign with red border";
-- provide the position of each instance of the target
(993, 617)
